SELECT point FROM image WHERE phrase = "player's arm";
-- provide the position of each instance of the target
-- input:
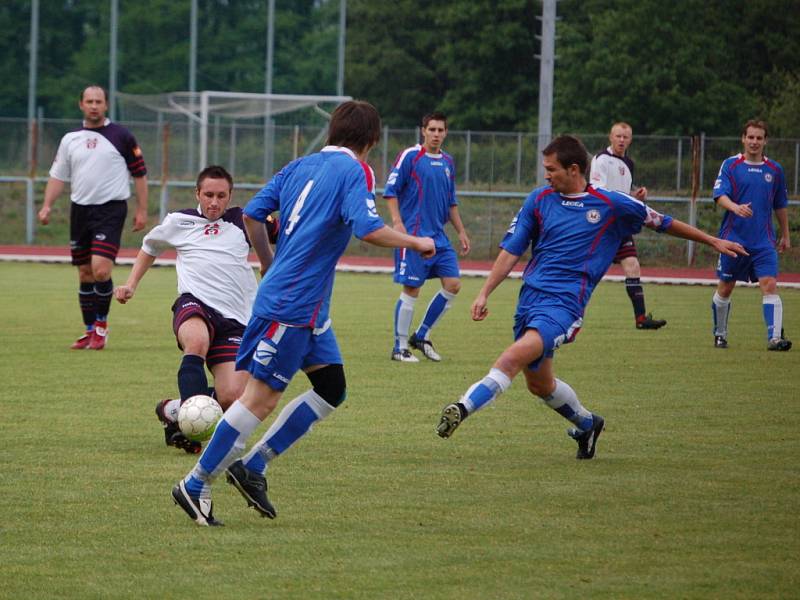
(394, 213)
(52, 191)
(140, 188)
(740, 210)
(143, 262)
(502, 266)
(257, 232)
(386, 237)
(784, 243)
(685, 231)
(455, 219)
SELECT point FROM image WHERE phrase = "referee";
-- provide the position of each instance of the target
(96, 160)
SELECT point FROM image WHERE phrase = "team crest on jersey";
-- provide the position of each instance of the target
(593, 216)
(212, 229)
(768, 177)
(621, 171)
(91, 143)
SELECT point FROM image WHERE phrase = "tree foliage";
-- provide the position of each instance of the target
(666, 67)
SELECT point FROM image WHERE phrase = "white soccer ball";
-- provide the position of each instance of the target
(198, 417)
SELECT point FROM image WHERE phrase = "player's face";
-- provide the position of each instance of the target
(620, 138)
(93, 106)
(433, 135)
(562, 179)
(214, 196)
(754, 140)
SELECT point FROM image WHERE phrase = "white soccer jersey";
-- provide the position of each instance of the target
(98, 163)
(212, 259)
(611, 172)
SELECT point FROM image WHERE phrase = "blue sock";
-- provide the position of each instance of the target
(436, 309)
(294, 421)
(484, 391)
(192, 378)
(773, 315)
(565, 402)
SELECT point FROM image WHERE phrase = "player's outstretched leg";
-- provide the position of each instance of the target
(479, 394)
(199, 508)
(172, 433)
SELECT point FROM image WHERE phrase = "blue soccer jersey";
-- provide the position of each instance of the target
(573, 239)
(763, 186)
(323, 199)
(425, 188)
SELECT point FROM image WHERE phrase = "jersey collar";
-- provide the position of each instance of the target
(105, 124)
(339, 149)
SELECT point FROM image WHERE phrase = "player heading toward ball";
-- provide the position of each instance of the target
(216, 289)
(750, 187)
(573, 232)
(323, 199)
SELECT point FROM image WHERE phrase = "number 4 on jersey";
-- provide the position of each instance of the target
(298, 206)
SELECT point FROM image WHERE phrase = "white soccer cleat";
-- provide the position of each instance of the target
(404, 355)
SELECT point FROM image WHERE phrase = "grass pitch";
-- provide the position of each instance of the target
(693, 493)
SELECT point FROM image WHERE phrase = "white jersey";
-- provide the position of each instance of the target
(611, 172)
(212, 259)
(98, 163)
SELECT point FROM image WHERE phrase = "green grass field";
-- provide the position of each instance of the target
(693, 493)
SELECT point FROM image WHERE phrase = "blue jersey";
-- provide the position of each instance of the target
(425, 187)
(763, 185)
(323, 199)
(573, 239)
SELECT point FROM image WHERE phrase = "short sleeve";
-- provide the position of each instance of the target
(398, 177)
(358, 208)
(60, 169)
(723, 185)
(159, 238)
(267, 199)
(523, 230)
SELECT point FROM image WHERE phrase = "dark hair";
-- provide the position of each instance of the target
(569, 150)
(94, 85)
(758, 124)
(434, 116)
(214, 172)
(354, 124)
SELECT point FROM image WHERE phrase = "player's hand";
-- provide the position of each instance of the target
(729, 248)
(139, 220)
(784, 244)
(743, 210)
(123, 293)
(641, 194)
(465, 245)
(479, 310)
(426, 247)
(44, 215)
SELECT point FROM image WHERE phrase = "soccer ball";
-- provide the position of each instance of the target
(198, 417)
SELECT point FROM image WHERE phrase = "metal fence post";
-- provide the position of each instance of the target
(796, 161)
(232, 150)
(467, 158)
(519, 156)
(702, 158)
(385, 152)
(679, 160)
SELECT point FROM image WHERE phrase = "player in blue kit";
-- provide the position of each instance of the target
(421, 196)
(323, 199)
(573, 232)
(750, 187)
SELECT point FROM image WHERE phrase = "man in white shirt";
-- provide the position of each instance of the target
(216, 287)
(97, 161)
(612, 169)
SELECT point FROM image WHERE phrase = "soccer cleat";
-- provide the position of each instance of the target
(82, 342)
(404, 355)
(587, 440)
(172, 433)
(720, 342)
(99, 336)
(252, 486)
(450, 420)
(648, 322)
(424, 346)
(198, 509)
(779, 345)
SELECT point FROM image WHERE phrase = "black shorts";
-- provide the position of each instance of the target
(225, 335)
(627, 248)
(96, 229)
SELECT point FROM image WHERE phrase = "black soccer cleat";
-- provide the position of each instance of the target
(198, 509)
(173, 436)
(252, 486)
(451, 418)
(720, 342)
(779, 345)
(587, 440)
(648, 322)
(424, 346)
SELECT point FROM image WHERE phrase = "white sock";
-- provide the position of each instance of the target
(403, 315)
(483, 392)
(773, 315)
(721, 308)
(171, 409)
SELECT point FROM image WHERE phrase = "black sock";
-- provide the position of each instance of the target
(103, 290)
(633, 286)
(192, 378)
(87, 301)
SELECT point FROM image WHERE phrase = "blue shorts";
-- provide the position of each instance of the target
(412, 270)
(762, 262)
(272, 352)
(544, 313)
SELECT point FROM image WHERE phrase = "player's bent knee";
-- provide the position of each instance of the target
(329, 384)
